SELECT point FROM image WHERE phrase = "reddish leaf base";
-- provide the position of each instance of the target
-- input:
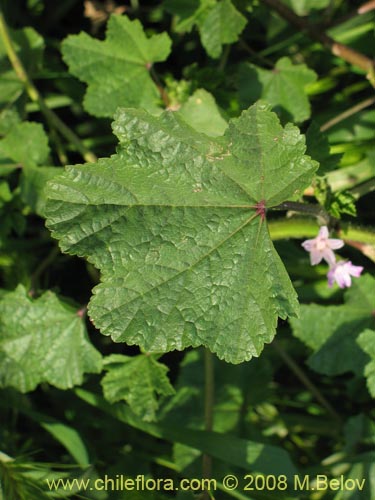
(261, 209)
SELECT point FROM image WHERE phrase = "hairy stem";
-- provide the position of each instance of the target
(35, 96)
(306, 208)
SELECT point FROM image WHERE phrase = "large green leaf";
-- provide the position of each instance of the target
(332, 331)
(117, 70)
(172, 221)
(138, 380)
(42, 340)
(283, 87)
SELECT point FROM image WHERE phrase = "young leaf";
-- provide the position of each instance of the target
(138, 380)
(367, 342)
(335, 346)
(117, 69)
(174, 222)
(218, 22)
(222, 25)
(200, 111)
(26, 143)
(42, 340)
(283, 87)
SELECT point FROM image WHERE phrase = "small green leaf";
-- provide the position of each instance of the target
(367, 342)
(138, 380)
(335, 203)
(9, 117)
(332, 331)
(42, 340)
(200, 111)
(172, 223)
(218, 21)
(26, 143)
(222, 25)
(117, 69)
(283, 87)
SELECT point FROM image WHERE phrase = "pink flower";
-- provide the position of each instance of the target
(341, 272)
(321, 247)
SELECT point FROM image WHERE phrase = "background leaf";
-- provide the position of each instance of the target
(138, 380)
(42, 340)
(367, 342)
(218, 22)
(25, 143)
(117, 69)
(201, 112)
(335, 346)
(283, 87)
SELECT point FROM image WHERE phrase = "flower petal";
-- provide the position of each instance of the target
(335, 243)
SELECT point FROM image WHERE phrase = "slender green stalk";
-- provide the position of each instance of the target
(208, 408)
(297, 370)
(35, 96)
(224, 58)
(163, 93)
(349, 112)
(43, 266)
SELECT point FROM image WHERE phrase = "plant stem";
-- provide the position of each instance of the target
(297, 370)
(306, 208)
(35, 96)
(209, 394)
(43, 266)
(224, 58)
(348, 54)
(163, 93)
(349, 112)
